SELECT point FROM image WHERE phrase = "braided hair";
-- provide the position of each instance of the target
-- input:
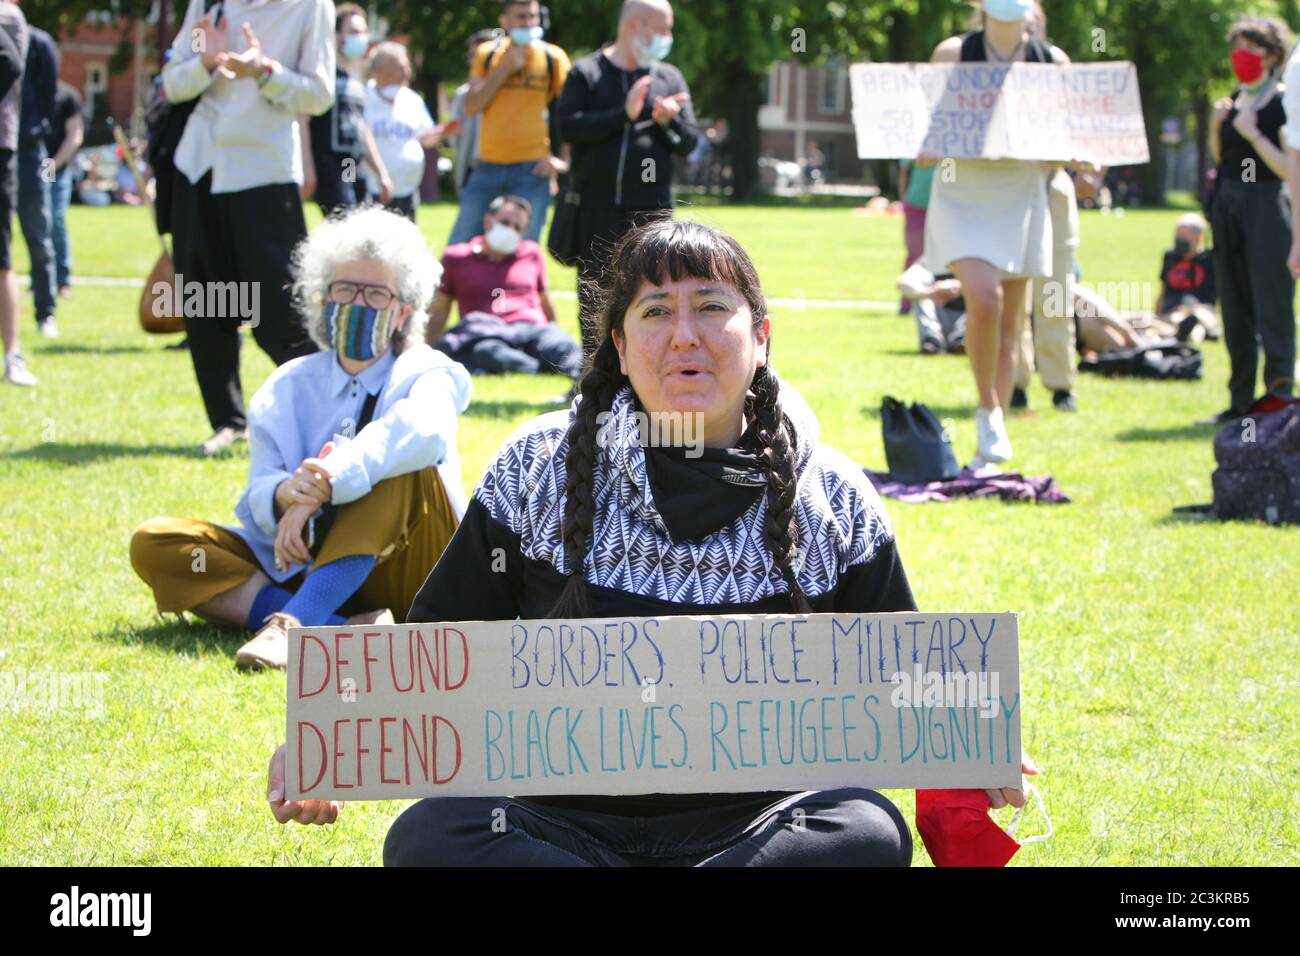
(665, 250)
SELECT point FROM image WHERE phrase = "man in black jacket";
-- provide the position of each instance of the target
(626, 115)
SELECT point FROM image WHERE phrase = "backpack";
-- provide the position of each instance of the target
(1258, 473)
(918, 450)
(164, 125)
(1164, 360)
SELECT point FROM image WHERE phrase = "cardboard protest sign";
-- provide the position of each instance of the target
(653, 705)
(1080, 111)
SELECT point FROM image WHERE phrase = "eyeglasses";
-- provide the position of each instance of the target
(376, 296)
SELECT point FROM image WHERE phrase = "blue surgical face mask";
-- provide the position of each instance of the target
(522, 36)
(1011, 10)
(651, 51)
(359, 332)
(355, 45)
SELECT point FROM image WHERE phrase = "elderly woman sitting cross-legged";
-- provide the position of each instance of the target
(354, 484)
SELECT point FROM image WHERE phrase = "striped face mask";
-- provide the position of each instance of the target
(359, 332)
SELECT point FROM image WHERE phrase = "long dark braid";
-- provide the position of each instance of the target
(775, 444)
(599, 386)
(657, 252)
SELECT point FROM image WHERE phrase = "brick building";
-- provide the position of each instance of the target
(88, 53)
(810, 104)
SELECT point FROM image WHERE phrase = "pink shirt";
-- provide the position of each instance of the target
(510, 288)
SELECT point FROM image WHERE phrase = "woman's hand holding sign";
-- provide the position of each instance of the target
(1013, 795)
(305, 812)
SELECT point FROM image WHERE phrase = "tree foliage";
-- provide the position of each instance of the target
(725, 48)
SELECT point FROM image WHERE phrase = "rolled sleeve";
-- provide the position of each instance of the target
(414, 433)
(186, 80)
(267, 468)
(308, 86)
(261, 500)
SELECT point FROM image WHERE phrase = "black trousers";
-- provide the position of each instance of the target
(337, 186)
(402, 205)
(1252, 236)
(847, 827)
(246, 238)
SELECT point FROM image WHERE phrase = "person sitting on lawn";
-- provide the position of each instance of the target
(498, 281)
(938, 307)
(760, 517)
(354, 481)
(1187, 293)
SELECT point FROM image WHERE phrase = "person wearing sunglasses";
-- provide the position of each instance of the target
(354, 483)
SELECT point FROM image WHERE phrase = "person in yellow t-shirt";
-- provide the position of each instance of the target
(513, 81)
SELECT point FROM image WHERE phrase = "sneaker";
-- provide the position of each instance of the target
(931, 346)
(982, 468)
(382, 616)
(1064, 401)
(47, 327)
(269, 648)
(993, 444)
(1018, 398)
(222, 440)
(16, 370)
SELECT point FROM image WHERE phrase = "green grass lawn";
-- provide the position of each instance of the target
(1158, 655)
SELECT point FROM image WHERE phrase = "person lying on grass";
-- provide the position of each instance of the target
(595, 521)
(354, 480)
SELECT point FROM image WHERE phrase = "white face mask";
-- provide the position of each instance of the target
(390, 92)
(1042, 837)
(502, 238)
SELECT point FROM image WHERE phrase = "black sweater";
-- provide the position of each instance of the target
(506, 561)
(593, 120)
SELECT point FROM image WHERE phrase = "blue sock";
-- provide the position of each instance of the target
(327, 589)
(270, 599)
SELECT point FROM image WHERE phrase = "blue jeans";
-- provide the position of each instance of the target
(490, 180)
(488, 345)
(60, 197)
(34, 215)
(847, 827)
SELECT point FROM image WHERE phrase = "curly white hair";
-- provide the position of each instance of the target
(365, 232)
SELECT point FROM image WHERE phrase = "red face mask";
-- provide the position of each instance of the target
(1248, 66)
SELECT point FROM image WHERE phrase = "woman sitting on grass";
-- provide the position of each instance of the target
(765, 519)
(354, 484)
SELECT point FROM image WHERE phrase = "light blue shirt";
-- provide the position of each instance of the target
(312, 400)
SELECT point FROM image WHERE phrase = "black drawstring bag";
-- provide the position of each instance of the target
(916, 448)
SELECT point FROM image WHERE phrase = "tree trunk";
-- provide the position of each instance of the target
(1202, 140)
(744, 97)
(1154, 107)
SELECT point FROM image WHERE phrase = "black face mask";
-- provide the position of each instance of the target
(1182, 248)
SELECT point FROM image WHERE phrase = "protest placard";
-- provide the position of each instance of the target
(1090, 112)
(653, 705)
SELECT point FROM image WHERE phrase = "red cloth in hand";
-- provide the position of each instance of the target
(957, 830)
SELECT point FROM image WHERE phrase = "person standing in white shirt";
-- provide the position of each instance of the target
(254, 65)
(401, 124)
